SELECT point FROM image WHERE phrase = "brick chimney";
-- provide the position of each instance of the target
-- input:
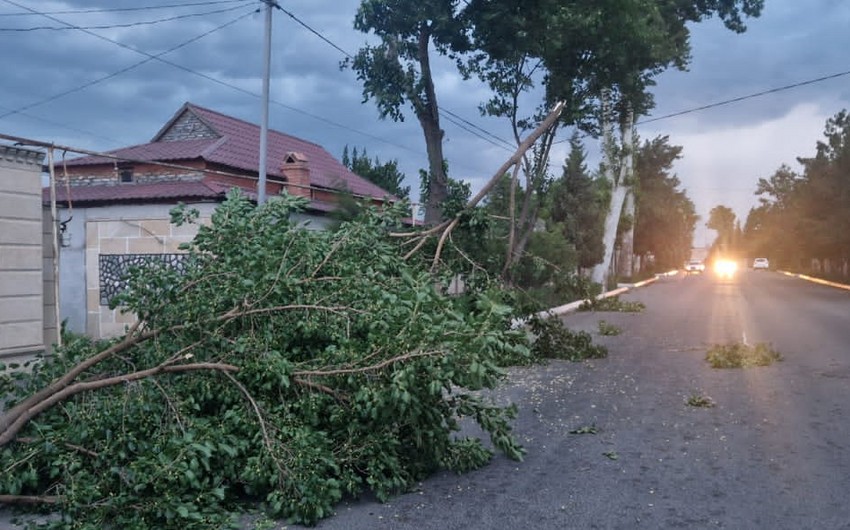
(297, 174)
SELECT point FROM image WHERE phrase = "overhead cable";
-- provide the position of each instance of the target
(150, 58)
(124, 25)
(510, 147)
(748, 96)
(122, 9)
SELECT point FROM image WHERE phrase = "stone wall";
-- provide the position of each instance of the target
(124, 237)
(187, 127)
(21, 260)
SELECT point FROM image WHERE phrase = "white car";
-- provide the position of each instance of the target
(694, 266)
(761, 264)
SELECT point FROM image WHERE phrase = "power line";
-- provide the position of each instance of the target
(314, 32)
(511, 147)
(126, 25)
(458, 119)
(57, 124)
(748, 96)
(458, 123)
(123, 70)
(733, 100)
(121, 9)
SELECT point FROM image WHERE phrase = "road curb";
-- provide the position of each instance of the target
(812, 279)
(573, 306)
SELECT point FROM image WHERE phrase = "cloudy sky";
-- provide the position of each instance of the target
(87, 87)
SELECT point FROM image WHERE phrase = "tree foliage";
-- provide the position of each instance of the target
(802, 221)
(577, 203)
(579, 48)
(397, 71)
(666, 217)
(283, 365)
(721, 219)
(386, 174)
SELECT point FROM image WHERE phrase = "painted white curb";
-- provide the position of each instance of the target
(816, 280)
(573, 306)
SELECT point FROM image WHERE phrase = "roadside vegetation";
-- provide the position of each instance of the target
(612, 304)
(739, 355)
(609, 330)
(698, 400)
(284, 366)
(554, 341)
(801, 223)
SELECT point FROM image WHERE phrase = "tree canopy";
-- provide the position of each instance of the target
(386, 174)
(803, 215)
(666, 217)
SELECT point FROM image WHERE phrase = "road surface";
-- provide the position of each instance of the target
(773, 453)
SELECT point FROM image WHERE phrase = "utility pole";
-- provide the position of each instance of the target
(264, 127)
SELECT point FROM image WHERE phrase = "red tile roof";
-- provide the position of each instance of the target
(238, 148)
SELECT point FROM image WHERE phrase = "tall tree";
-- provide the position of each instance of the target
(577, 203)
(397, 71)
(721, 219)
(386, 174)
(665, 217)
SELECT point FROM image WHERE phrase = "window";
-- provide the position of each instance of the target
(126, 175)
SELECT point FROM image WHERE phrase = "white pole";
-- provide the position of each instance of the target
(264, 128)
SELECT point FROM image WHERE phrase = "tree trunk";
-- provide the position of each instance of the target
(533, 197)
(428, 114)
(620, 187)
(627, 242)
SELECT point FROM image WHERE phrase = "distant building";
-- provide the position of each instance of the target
(115, 211)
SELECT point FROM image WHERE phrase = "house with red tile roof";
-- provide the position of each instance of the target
(115, 208)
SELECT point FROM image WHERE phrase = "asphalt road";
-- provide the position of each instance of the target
(773, 453)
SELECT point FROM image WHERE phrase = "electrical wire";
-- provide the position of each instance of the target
(126, 25)
(314, 32)
(458, 119)
(510, 146)
(150, 58)
(62, 125)
(122, 9)
(732, 100)
(748, 96)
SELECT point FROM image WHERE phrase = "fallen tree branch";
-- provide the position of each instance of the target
(321, 388)
(371, 368)
(8, 432)
(130, 339)
(266, 438)
(449, 225)
(29, 499)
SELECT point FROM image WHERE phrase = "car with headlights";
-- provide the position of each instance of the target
(725, 268)
(761, 264)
